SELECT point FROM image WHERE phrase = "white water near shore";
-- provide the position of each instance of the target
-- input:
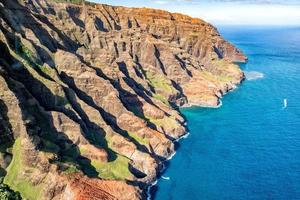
(202, 105)
(253, 75)
(149, 190)
(164, 168)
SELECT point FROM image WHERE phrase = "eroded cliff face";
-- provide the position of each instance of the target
(88, 94)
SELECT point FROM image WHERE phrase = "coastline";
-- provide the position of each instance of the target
(149, 193)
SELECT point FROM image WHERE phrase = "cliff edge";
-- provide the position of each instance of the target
(89, 94)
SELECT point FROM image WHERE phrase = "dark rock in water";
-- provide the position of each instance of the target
(89, 92)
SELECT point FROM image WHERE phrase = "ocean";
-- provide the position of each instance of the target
(249, 148)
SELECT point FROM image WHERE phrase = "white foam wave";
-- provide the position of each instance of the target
(171, 156)
(182, 137)
(165, 177)
(219, 105)
(185, 136)
(149, 190)
(253, 75)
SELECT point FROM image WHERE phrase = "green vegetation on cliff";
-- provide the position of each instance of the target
(161, 98)
(113, 170)
(211, 77)
(29, 56)
(168, 123)
(15, 172)
(139, 139)
(160, 83)
(161, 86)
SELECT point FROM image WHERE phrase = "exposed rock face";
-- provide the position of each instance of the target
(88, 94)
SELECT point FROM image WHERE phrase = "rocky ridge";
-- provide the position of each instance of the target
(89, 94)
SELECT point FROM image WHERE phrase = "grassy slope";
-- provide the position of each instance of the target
(14, 170)
(161, 85)
(139, 139)
(115, 170)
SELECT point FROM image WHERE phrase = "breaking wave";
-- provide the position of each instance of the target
(149, 190)
(165, 177)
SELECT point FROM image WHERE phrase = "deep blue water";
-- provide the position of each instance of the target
(250, 147)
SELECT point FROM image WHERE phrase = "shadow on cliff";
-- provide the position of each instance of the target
(99, 24)
(73, 12)
(97, 134)
(136, 105)
(6, 137)
(109, 118)
(131, 101)
(157, 56)
(70, 153)
(6, 134)
(183, 65)
(40, 32)
(51, 140)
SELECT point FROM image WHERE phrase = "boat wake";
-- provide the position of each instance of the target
(253, 75)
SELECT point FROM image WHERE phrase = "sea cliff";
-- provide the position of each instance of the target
(89, 94)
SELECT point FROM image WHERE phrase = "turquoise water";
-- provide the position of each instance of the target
(250, 147)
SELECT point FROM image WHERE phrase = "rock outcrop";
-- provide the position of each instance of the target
(89, 94)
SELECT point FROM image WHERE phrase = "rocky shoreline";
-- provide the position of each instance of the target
(89, 94)
(149, 187)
